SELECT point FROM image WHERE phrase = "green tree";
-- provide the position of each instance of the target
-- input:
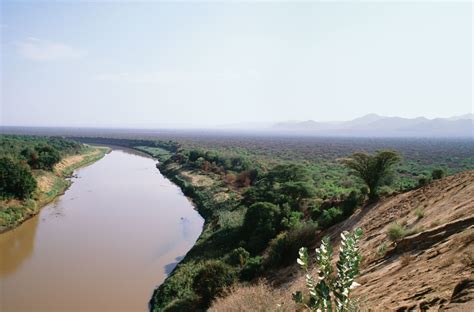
(211, 279)
(287, 173)
(16, 179)
(48, 157)
(261, 224)
(297, 191)
(438, 173)
(373, 169)
(41, 157)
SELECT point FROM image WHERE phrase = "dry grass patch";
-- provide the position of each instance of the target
(198, 180)
(221, 197)
(405, 260)
(260, 298)
(45, 182)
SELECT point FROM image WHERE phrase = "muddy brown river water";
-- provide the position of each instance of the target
(104, 245)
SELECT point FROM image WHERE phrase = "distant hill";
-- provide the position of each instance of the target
(376, 125)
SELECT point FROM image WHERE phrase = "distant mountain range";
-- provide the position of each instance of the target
(382, 126)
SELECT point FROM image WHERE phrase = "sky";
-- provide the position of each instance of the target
(199, 64)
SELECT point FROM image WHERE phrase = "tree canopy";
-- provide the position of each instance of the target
(372, 169)
(16, 179)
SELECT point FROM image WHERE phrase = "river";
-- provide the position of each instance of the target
(104, 245)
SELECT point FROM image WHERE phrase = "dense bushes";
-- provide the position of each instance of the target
(261, 223)
(284, 248)
(288, 184)
(20, 154)
(41, 157)
(252, 269)
(333, 211)
(13, 145)
(423, 180)
(211, 280)
(16, 179)
(438, 173)
(207, 160)
(238, 257)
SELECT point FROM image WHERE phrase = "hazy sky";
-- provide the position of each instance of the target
(75, 63)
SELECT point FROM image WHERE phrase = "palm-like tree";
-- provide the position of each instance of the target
(372, 169)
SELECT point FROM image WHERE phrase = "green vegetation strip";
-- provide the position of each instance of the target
(27, 161)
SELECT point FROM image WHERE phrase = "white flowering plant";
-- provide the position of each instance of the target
(331, 291)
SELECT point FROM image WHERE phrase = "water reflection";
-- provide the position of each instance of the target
(170, 266)
(16, 247)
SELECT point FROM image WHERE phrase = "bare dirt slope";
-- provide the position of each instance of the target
(422, 270)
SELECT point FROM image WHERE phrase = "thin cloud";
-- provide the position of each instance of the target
(41, 50)
(176, 77)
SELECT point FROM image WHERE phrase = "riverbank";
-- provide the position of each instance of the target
(218, 205)
(50, 186)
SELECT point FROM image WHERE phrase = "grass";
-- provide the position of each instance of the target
(156, 152)
(382, 250)
(405, 260)
(419, 213)
(396, 232)
(260, 297)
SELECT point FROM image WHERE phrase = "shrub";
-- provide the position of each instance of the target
(423, 180)
(261, 224)
(382, 250)
(332, 289)
(351, 202)
(238, 257)
(330, 216)
(419, 213)
(314, 208)
(385, 190)
(284, 248)
(438, 173)
(396, 232)
(178, 285)
(211, 280)
(252, 269)
(291, 219)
